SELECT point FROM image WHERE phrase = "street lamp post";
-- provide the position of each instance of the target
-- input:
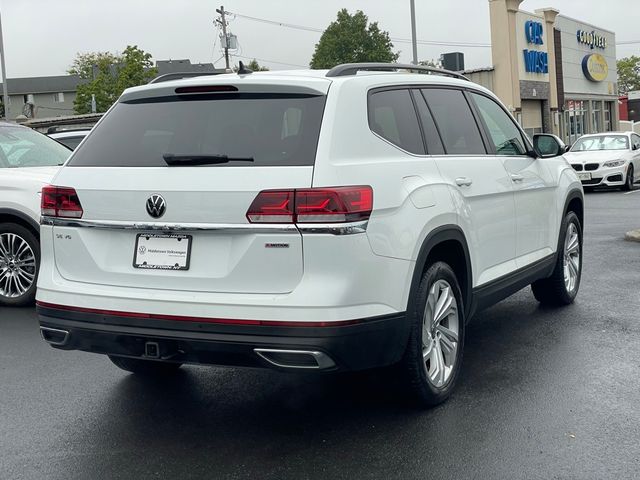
(414, 42)
(5, 88)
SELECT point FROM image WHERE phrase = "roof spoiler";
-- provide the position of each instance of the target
(353, 68)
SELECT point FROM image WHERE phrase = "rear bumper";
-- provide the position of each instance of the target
(353, 345)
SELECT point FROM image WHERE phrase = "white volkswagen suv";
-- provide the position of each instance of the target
(315, 220)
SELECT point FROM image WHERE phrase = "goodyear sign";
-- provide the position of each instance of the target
(591, 39)
(595, 67)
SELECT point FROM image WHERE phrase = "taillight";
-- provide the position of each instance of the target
(312, 205)
(60, 202)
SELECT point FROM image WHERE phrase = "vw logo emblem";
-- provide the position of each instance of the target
(156, 206)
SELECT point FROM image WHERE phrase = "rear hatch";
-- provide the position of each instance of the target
(166, 178)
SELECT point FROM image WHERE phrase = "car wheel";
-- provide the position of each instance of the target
(628, 184)
(562, 286)
(19, 265)
(145, 367)
(433, 356)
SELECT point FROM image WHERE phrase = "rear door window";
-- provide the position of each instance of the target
(456, 124)
(273, 129)
(393, 117)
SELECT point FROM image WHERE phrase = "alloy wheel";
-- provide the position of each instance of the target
(571, 258)
(440, 333)
(17, 266)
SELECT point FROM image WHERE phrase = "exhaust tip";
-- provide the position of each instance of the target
(54, 336)
(297, 359)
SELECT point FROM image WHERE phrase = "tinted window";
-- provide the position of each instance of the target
(23, 147)
(506, 137)
(434, 144)
(274, 130)
(393, 117)
(457, 127)
(71, 142)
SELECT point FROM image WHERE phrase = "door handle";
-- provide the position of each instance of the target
(517, 177)
(463, 181)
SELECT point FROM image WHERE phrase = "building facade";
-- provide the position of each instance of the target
(556, 74)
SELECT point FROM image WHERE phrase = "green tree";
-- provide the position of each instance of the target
(106, 75)
(256, 67)
(351, 39)
(253, 65)
(629, 74)
(136, 68)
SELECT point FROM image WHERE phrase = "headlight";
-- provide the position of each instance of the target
(613, 163)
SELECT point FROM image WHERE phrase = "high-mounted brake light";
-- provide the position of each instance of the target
(206, 89)
(312, 205)
(60, 202)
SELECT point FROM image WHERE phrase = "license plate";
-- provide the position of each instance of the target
(584, 176)
(162, 251)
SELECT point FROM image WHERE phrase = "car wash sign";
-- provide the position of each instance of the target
(535, 61)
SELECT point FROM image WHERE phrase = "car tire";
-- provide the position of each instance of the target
(149, 368)
(19, 265)
(628, 184)
(562, 286)
(433, 358)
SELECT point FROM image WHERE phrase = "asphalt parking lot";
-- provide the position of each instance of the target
(544, 394)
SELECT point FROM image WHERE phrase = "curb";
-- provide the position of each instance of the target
(632, 236)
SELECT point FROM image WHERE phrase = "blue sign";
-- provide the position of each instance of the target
(536, 61)
(533, 31)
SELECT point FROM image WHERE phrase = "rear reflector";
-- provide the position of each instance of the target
(60, 202)
(181, 318)
(312, 205)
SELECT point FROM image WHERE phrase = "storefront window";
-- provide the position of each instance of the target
(596, 122)
(607, 116)
(575, 119)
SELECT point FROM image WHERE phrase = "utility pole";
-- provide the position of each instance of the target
(223, 21)
(5, 87)
(414, 42)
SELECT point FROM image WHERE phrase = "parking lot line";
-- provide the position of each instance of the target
(632, 191)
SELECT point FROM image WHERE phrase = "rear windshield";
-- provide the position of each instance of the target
(273, 130)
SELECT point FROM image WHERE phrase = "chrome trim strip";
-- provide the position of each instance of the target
(54, 330)
(334, 229)
(307, 228)
(113, 225)
(322, 359)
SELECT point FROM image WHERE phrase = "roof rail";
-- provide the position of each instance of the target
(353, 68)
(167, 77)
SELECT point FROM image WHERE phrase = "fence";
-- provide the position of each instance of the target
(626, 126)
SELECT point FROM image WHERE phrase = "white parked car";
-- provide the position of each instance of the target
(314, 220)
(607, 159)
(28, 160)
(71, 138)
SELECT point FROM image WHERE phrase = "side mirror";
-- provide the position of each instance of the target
(635, 146)
(548, 146)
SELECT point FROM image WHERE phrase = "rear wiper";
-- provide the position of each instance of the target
(173, 159)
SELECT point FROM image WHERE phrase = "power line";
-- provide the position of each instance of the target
(395, 39)
(272, 61)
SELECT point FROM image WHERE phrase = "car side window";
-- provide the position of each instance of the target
(635, 141)
(431, 135)
(456, 124)
(393, 117)
(506, 137)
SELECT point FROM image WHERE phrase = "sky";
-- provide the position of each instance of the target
(43, 36)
